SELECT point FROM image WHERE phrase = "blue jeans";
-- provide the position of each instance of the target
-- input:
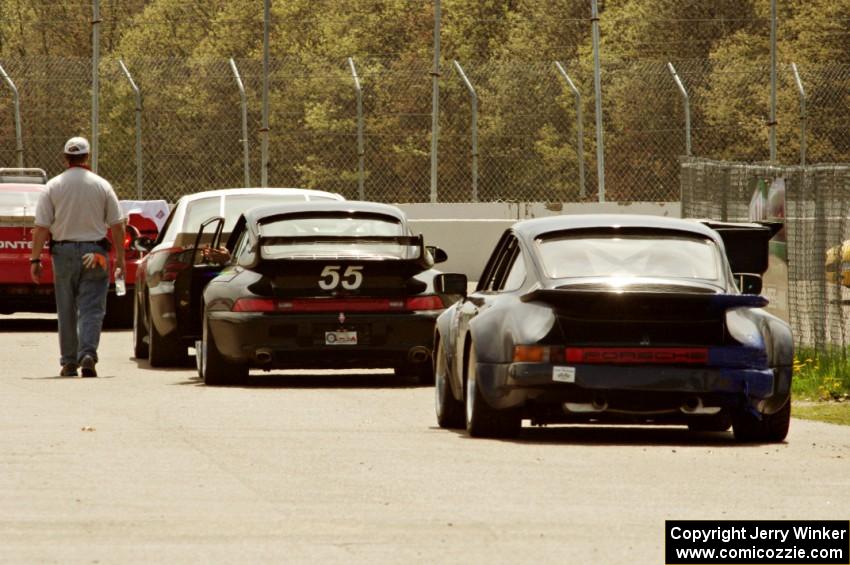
(80, 299)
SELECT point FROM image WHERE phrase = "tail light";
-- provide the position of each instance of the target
(255, 305)
(427, 302)
(173, 264)
(611, 355)
(638, 355)
(416, 303)
(130, 234)
(538, 354)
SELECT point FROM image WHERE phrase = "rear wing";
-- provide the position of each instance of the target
(630, 305)
(423, 260)
(306, 275)
(746, 244)
(17, 221)
(25, 175)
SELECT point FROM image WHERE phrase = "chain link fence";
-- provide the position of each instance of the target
(817, 208)
(527, 124)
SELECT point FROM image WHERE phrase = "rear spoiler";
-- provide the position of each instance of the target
(18, 220)
(418, 241)
(746, 243)
(23, 175)
(613, 304)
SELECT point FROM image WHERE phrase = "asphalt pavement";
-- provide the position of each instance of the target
(144, 465)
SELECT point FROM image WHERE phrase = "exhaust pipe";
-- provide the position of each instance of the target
(694, 405)
(599, 404)
(418, 354)
(691, 405)
(263, 356)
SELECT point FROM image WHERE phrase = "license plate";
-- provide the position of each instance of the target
(341, 338)
(562, 374)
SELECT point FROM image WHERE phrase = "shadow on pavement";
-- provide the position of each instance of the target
(23, 325)
(57, 378)
(145, 365)
(619, 436)
(317, 381)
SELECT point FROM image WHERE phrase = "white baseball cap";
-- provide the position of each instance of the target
(77, 146)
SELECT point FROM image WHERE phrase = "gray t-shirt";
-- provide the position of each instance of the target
(78, 205)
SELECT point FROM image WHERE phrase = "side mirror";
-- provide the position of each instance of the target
(749, 283)
(142, 244)
(438, 254)
(450, 283)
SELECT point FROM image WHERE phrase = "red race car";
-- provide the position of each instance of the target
(20, 190)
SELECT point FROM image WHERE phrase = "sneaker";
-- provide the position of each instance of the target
(87, 365)
(68, 370)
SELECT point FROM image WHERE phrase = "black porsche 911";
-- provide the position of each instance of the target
(321, 285)
(599, 318)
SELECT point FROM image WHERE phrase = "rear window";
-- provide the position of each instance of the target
(236, 204)
(630, 256)
(14, 203)
(198, 211)
(343, 226)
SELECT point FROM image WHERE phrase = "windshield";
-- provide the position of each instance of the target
(631, 256)
(18, 203)
(336, 225)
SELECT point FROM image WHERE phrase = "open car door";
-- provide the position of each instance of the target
(190, 282)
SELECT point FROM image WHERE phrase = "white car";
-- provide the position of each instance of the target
(166, 319)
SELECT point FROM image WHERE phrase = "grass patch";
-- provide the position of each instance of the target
(831, 412)
(821, 375)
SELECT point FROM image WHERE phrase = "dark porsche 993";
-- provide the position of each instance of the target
(617, 319)
(321, 285)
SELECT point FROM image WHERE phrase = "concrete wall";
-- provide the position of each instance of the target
(468, 232)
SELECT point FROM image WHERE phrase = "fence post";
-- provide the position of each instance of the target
(19, 143)
(597, 87)
(435, 101)
(687, 102)
(246, 156)
(803, 116)
(473, 99)
(95, 81)
(361, 192)
(772, 122)
(579, 126)
(264, 130)
(138, 96)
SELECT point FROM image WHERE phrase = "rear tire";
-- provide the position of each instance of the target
(165, 351)
(140, 346)
(449, 410)
(481, 419)
(719, 422)
(215, 369)
(772, 428)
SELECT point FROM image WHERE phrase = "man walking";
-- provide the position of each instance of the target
(75, 211)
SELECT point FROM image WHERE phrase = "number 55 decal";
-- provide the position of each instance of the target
(351, 279)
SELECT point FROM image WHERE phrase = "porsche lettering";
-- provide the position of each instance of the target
(690, 356)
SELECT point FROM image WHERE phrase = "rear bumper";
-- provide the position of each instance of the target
(635, 388)
(298, 341)
(27, 298)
